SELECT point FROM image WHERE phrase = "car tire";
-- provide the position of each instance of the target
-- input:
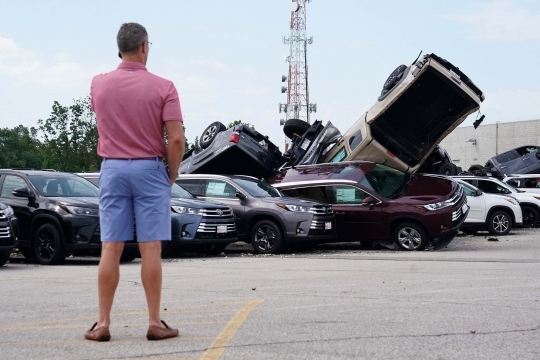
(392, 80)
(295, 127)
(266, 237)
(128, 256)
(475, 167)
(448, 169)
(410, 236)
(210, 133)
(4, 259)
(499, 223)
(530, 216)
(48, 247)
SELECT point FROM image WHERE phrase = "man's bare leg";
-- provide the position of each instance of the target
(151, 276)
(108, 278)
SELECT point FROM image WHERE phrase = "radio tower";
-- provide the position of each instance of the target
(298, 106)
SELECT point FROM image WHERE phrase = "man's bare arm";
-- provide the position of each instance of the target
(175, 149)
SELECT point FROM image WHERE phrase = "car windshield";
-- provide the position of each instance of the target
(63, 185)
(385, 181)
(179, 192)
(257, 188)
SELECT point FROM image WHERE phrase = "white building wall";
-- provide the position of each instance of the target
(488, 143)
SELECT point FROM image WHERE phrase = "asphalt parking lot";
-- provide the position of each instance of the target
(477, 299)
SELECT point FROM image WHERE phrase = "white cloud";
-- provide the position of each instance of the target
(27, 67)
(501, 21)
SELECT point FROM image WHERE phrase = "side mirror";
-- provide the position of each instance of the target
(479, 192)
(240, 195)
(22, 192)
(368, 200)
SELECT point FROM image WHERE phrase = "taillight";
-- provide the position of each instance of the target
(235, 136)
(389, 153)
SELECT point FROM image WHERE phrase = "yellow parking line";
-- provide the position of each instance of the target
(216, 349)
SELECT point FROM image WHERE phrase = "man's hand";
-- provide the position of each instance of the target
(175, 149)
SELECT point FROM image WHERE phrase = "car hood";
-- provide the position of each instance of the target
(90, 202)
(425, 188)
(291, 201)
(198, 203)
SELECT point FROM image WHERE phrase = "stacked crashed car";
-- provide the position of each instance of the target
(419, 106)
(58, 214)
(196, 224)
(265, 218)
(376, 203)
(8, 232)
(521, 160)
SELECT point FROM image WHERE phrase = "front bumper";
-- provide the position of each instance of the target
(188, 229)
(310, 227)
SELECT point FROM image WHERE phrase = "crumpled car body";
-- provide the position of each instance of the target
(428, 100)
(521, 160)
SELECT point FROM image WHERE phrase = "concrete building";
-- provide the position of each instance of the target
(468, 146)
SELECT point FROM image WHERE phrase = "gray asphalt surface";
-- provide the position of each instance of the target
(477, 299)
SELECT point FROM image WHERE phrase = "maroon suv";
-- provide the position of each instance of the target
(376, 203)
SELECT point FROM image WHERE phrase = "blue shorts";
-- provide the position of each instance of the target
(134, 191)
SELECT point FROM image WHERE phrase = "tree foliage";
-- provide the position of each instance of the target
(239, 122)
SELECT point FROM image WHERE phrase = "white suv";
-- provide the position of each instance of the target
(496, 213)
(529, 202)
(526, 182)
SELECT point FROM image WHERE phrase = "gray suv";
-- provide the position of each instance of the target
(264, 217)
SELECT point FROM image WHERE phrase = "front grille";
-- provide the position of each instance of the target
(5, 231)
(456, 214)
(317, 227)
(216, 212)
(322, 210)
(456, 198)
(2, 216)
(212, 228)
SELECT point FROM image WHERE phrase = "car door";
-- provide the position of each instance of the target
(21, 206)
(224, 192)
(531, 162)
(477, 205)
(510, 162)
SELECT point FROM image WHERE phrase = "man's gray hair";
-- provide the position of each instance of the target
(130, 38)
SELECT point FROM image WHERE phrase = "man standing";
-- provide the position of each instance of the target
(132, 108)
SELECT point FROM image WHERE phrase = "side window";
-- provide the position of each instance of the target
(469, 191)
(355, 140)
(191, 185)
(513, 182)
(341, 154)
(491, 187)
(344, 194)
(11, 183)
(219, 188)
(507, 156)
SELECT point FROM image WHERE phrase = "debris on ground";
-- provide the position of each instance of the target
(493, 239)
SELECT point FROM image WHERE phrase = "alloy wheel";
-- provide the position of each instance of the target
(265, 238)
(46, 244)
(210, 133)
(409, 238)
(500, 223)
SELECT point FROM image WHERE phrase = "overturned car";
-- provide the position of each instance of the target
(418, 107)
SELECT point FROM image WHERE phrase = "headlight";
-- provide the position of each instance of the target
(187, 210)
(8, 211)
(296, 208)
(435, 206)
(81, 210)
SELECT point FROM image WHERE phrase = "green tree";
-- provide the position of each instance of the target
(20, 148)
(239, 122)
(70, 137)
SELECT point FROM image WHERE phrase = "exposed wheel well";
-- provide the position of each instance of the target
(534, 206)
(255, 219)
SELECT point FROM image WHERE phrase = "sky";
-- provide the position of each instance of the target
(226, 58)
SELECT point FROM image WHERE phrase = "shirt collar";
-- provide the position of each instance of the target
(125, 65)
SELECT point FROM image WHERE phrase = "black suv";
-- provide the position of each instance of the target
(58, 214)
(265, 218)
(8, 232)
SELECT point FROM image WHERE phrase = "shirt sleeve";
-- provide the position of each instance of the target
(171, 108)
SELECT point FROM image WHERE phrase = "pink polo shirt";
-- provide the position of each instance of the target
(131, 107)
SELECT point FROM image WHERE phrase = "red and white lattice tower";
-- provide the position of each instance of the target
(298, 105)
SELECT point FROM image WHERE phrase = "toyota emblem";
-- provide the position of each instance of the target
(219, 212)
